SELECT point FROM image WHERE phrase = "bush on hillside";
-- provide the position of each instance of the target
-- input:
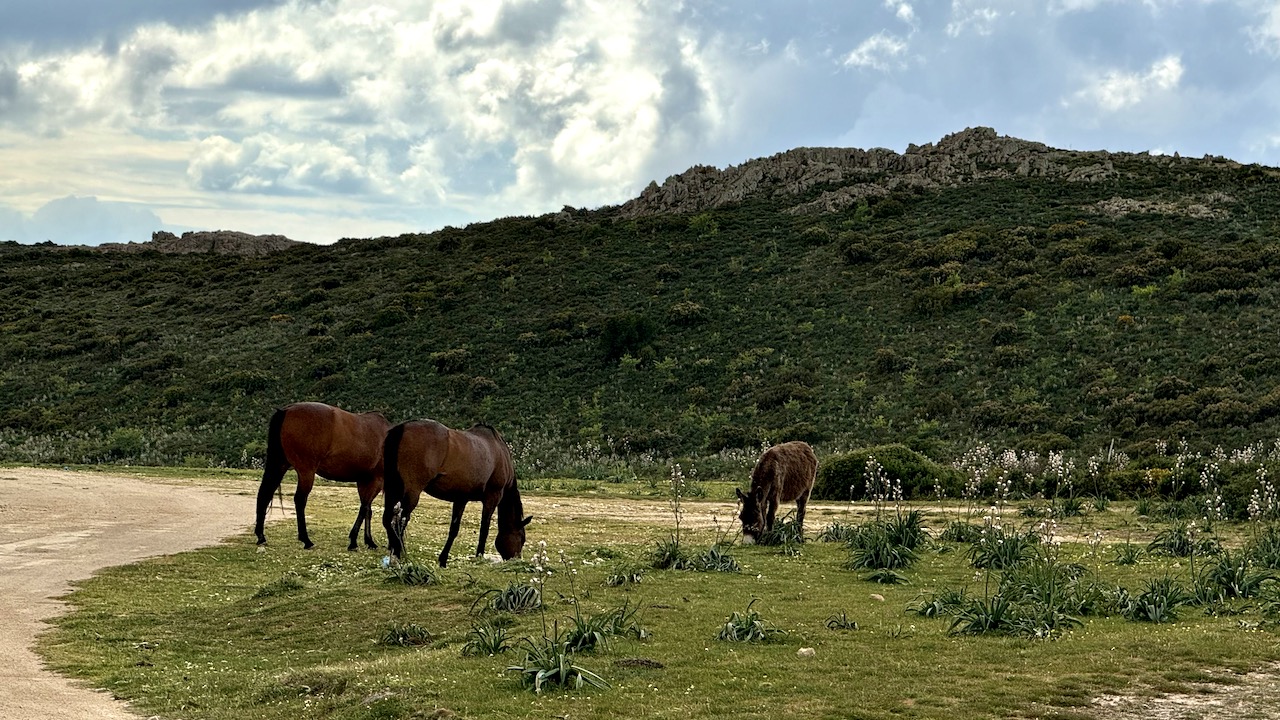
(917, 473)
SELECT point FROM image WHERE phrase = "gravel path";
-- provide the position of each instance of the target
(57, 527)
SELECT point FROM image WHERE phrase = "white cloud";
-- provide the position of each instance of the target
(966, 17)
(522, 104)
(1117, 90)
(902, 9)
(881, 51)
(1266, 34)
(76, 220)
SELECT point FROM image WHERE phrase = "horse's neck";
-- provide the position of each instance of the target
(510, 508)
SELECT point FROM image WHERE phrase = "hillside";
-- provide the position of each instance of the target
(982, 287)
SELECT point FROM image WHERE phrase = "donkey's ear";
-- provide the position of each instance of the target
(526, 521)
(740, 495)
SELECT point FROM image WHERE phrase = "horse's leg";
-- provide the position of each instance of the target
(355, 529)
(306, 478)
(486, 515)
(271, 479)
(367, 495)
(395, 543)
(771, 512)
(365, 515)
(454, 523)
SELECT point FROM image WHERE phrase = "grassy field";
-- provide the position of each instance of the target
(238, 631)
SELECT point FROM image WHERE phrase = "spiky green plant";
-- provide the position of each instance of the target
(486, 638)
(1159, 602)
(412, 573)
(748, 627)
(405, 634)
(548, 661)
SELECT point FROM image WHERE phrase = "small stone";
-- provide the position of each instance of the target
(806, 652)
(877, 597)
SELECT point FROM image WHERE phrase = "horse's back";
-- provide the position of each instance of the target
(335, 443)
(788, 469)
(499, 465)
(422, 449)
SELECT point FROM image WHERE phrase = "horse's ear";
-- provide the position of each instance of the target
(526, 521)
(740, 495)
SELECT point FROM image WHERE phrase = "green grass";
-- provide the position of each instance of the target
(287, 633)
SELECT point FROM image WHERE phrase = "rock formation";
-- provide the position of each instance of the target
(973, 154)
(222, 242)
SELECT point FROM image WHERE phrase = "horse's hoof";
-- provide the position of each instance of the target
(351, 548)
(308, 545)
(262, 541)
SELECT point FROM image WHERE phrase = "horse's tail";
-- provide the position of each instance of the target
(273, 470)
(393, 491)
(392, 480)
(275, 450)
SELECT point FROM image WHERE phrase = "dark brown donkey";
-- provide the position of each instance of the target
(314, 438)
(454, 466)
(783, 473)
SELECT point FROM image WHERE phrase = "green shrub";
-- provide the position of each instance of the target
(448, 362)
(843, 476)
(626, 334)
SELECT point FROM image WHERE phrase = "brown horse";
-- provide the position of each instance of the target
(314, 438)
(457, 467)
(783, 473)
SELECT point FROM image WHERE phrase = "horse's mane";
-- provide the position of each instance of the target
(487, 427)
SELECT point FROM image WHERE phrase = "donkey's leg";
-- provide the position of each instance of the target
(771, 512)
(306, 478)
(454, 523)
(271, 479)
(801, 503)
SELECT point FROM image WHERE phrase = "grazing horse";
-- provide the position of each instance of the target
(314, 438)
(783, 473)
(454, 466)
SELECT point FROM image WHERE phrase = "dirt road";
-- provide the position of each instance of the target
(57, 527)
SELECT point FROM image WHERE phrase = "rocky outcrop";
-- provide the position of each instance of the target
(221, 242)
(974, 154)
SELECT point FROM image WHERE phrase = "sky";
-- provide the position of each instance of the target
(327, 119)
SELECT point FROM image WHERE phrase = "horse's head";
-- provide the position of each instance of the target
(510, 542)
(752, 516)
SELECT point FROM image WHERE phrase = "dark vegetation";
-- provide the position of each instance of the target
(1007, 310)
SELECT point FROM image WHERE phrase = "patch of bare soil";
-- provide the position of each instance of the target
(1254, 696)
